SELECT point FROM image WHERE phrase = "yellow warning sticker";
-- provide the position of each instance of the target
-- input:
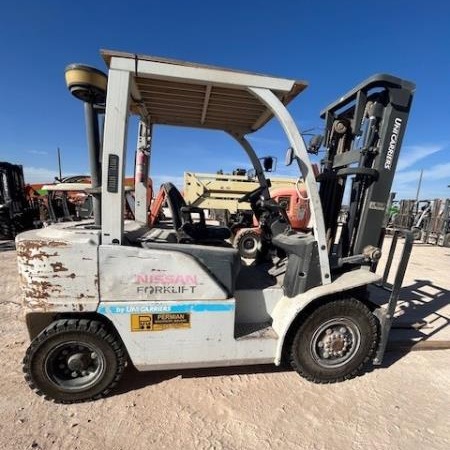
(160, 322)
(141, 322)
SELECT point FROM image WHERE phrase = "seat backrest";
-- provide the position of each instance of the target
(175, 201)
(182, 221)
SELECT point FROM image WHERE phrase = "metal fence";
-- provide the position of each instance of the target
(428, 219)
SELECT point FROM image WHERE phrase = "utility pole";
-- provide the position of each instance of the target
(418, 186)
(59, 166)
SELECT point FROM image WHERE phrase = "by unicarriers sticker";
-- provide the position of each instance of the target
(160, 322)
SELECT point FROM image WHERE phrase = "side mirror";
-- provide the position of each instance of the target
(289, 156)
(315, 143)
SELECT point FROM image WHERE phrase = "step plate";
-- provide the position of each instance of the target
(261, 330)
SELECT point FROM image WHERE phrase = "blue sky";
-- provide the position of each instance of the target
(333, 45)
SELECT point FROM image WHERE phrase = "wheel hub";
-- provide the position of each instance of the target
(77, 362)
(249, 244)
(74, 366)
(335, 342)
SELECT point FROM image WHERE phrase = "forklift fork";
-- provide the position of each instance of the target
(386, 315)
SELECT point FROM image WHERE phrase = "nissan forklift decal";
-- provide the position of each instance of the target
(155, 275)
(166, 279)
(150, 284)
(144, 290)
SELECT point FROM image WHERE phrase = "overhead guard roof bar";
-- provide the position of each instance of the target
(173, 92)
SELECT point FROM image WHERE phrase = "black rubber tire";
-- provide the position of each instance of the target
(417, 233)
(243, 238)
(446, 242)
(91, 332)
(7, 229)
(300, 353)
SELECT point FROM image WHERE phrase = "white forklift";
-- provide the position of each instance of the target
(103, 293)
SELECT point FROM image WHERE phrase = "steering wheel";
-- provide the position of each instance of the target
(252, 195)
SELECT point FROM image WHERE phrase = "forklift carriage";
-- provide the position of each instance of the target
(101, 292)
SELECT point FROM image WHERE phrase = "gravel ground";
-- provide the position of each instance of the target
(402, 405)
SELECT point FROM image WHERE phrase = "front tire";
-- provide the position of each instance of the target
(335, 342)
(74, 360)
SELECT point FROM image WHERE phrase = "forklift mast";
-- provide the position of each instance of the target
(363, 135)
(16, 212)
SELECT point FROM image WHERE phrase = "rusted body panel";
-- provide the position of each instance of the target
(58, 268)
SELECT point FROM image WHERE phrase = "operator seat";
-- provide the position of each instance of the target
(187, 230)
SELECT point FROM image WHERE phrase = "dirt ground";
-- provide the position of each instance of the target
(402, 405)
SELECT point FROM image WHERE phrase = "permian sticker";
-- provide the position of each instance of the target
(160, 322)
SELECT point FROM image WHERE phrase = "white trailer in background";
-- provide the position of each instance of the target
(223, 191)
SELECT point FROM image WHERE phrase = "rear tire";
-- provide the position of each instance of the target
(247, 242)
(335, 342)
(74, 361)
(446, 242)
(417, 234)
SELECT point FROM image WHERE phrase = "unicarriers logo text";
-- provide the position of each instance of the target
(393, 143)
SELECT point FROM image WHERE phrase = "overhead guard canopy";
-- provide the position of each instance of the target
(172, 92)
